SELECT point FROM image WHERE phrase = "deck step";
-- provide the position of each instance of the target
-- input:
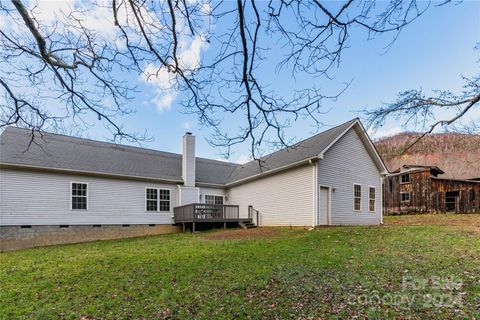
(246, 225)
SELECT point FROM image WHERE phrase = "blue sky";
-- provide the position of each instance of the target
(431, 53)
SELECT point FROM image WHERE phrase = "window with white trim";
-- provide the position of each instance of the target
(405, 197)
(357, 197)
(157, 199)
(213, 199)
(79, 196)
(371, 199)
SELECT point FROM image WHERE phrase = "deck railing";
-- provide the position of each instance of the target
(253, 212)
(202, 212)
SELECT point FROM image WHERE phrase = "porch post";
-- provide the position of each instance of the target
(193, 227)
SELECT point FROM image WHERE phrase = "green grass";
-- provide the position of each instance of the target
(338, 272)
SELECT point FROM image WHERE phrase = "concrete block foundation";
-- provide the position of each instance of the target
(21, 237)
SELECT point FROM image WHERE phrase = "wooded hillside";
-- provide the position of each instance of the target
(455, 153)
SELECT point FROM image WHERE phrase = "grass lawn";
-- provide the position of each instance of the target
(414, 266)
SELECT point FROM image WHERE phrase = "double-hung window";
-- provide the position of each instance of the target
(371, 199)
(164, 200)
(152, 199)
(79, 196)
(157, 199)
(212, 199)
(357, 197)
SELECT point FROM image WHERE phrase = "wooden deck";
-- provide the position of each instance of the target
(208, 213)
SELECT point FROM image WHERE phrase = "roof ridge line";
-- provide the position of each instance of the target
(90, 140)
(301, 141)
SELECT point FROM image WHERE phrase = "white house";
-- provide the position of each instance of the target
(71, 185)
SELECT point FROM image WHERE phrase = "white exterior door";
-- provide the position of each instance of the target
(324, 206)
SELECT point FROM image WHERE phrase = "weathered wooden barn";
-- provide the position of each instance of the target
(419, 189)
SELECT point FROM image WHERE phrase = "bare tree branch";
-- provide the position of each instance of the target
(89, 72)
(415, 108)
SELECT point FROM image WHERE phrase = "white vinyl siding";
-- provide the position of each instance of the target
(344, 164)
(36, 198)
(283, 199)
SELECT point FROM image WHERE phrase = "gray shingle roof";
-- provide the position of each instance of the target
(303, 150)
(64, 152)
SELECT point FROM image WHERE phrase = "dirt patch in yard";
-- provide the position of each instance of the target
(243, 234)
(466, 222)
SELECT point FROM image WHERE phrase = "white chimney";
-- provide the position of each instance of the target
(188, 160)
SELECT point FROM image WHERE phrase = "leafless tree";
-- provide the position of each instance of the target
(417, 108)
(89, 72)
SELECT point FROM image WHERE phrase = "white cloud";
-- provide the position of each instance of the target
(206, 8)
(190, 55)
(473, 115)
(94, 15)
(186, 125)
(2, 22)
(384, 132)
(164, 101)
(97, 16)
(51, 11)
(243, 158)
(165, 82)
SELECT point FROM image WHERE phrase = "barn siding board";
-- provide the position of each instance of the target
(465, 204)
(429, 194)
(345, 163)
(283, 199)
(38, 198)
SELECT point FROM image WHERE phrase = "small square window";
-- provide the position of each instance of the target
(405, 178)
(405, 196)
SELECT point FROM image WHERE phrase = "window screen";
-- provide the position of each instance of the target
(152, 199)
(371, 199)
(157, 199)
(357, 197)
(211, 199)
(79, 196)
